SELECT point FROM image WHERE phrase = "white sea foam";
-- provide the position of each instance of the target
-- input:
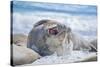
(75, 56)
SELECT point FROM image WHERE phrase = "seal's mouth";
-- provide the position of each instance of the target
(53, 31)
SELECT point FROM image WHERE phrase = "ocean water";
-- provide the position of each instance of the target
(85, 26)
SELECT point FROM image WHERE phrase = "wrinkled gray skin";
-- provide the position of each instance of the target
(46, 44)
(36, 41)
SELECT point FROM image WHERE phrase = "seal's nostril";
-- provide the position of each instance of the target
(55, 32)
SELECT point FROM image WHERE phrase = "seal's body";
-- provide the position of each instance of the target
(47, 37)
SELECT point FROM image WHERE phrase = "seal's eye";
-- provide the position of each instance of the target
(53, 31)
